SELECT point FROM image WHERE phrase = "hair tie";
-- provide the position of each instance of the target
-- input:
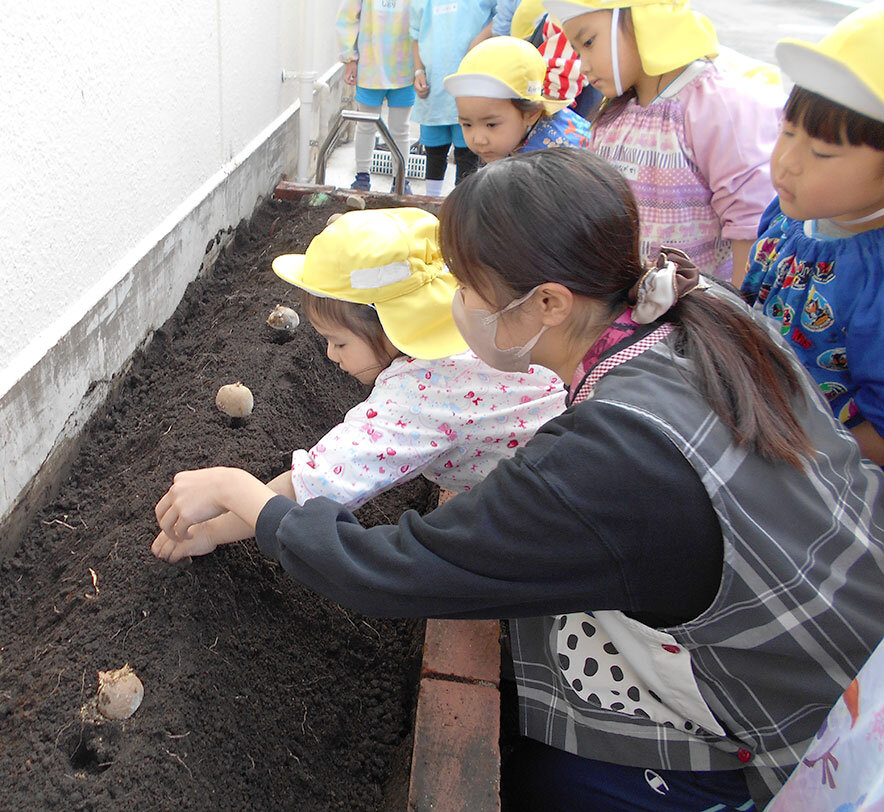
(663, 284)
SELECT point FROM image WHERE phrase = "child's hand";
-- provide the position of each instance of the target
(350, 72)
(168, 549)
(421, 87)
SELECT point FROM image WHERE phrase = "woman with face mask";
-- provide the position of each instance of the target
(690, 556)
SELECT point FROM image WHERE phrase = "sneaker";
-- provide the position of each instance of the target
(362, 182)
(405, 191)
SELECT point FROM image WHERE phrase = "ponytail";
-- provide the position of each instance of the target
(745, 377)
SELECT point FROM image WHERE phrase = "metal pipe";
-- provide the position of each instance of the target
(307, 80)
(357, 115)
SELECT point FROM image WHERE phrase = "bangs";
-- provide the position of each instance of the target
(831, 122)
(360, 319)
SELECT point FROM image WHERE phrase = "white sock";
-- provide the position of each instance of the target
(434, 188)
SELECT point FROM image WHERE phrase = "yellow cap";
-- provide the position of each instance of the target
(388, 258)
(846, 66)
(668, 34)
(526, 17)
(503, 68)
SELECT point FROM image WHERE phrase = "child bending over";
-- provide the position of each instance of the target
(375, 287)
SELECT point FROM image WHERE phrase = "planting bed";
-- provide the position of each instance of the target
(258, 694)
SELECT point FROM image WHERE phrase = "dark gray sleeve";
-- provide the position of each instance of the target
(598, 511)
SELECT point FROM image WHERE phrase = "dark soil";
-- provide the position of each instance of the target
(258, 694)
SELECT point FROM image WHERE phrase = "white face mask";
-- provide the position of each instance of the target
(479, 329)
(867, 219)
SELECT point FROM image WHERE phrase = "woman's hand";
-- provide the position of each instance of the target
(350, 72)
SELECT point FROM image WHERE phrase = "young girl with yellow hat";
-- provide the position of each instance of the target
(693, 141)
(497, 89)
(818, 267)
(374, 286)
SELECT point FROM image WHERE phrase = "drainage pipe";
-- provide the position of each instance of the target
(307, 80)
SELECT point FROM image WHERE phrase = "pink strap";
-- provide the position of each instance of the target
(626, 354)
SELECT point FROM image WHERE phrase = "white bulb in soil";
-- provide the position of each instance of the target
(336, 216)
(284, 319)
(235, 400)
(119, 693)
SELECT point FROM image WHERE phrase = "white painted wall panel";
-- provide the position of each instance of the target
(118, 122)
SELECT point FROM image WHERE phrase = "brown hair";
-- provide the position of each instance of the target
(591, 247)
(831, 122)
(528, 107)
(360, 319)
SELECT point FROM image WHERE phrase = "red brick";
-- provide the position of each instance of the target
(466, 649)
(456, 757)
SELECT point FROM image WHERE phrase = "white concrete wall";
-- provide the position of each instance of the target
(131, 133)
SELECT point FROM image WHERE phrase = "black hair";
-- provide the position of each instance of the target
(832, 122)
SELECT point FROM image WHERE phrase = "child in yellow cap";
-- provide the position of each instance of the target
(818, 266)
(497, 89)
(373, 284)
(693, 141)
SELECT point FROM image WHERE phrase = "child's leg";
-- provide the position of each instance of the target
(437, 142)
(466, 161)
(398, 124)
(363, 141)
(437, 161)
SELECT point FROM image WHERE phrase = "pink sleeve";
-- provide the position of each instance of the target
(730, 134)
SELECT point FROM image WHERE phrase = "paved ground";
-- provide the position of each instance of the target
(754, 26)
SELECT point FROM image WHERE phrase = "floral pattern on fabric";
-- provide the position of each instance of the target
(451, 420)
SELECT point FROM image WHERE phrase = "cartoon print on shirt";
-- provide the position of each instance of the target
(783, 313)
(834, 359)
(832, 390)
(849, 411)
(817, 315)
(783, 268)
(824, 272)
(799, 273)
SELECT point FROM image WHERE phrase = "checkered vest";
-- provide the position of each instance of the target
(800, 607)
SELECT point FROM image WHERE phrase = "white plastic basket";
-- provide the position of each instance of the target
(382, 164)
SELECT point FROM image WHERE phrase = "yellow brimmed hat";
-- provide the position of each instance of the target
(503, 68)
(668, 34)
(846, 66)
(388, 258)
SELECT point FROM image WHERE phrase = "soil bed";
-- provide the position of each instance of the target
(258, 693)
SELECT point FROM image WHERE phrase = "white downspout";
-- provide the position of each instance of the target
(307, 81)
